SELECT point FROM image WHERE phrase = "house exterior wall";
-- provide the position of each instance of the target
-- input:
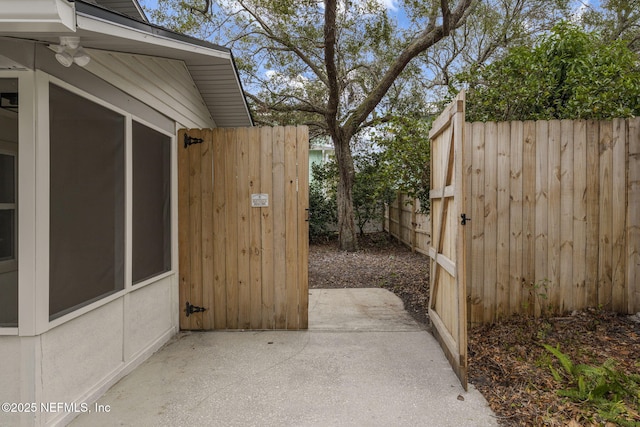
(126, 331)
(161, 82)
(315, 156)
(79, 360)
(73, 359)
(10, 375)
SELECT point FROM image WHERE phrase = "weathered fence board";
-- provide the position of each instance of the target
(477, 216)
(633, 218)
(490, 249)
(516, 216)
(619, 203)
(579, 245)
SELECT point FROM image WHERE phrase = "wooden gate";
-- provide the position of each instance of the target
(447, 253)
(243, 230)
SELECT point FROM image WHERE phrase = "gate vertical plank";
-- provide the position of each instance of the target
(553, 249)
(529, 211)
(195, 219)
(231, 227)
(490, 221)
(606, 216)
(267, 224)
(184, 233)
(243, 228)
(219, 230)
(566, 297)
(279, 230)
(503, 222)
(541, 221)
(633, 218)
(255, 253)
(206, 183)
(516, 217)
(476, 279)
(619, 208)
(579, 212)
(593, 212)
(291, 226)
(303, 225)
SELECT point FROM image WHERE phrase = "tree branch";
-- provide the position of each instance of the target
(428, 38)
(304, 106)
(330, 7)
(270, 34)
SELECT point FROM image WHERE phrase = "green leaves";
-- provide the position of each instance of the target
(405, 156)
(614, 395)
(370, 191)
(570, 74)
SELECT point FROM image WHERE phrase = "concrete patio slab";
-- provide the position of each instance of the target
(363, 362)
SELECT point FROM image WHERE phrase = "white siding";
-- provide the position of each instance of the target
(150, 316)
(164, 84)
(79, 360)
(9, 373)
(80, 354)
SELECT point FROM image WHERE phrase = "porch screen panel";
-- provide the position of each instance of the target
(151, 203)
(8, 202)
(87, 216)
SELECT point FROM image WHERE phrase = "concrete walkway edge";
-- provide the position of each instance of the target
(363, 362)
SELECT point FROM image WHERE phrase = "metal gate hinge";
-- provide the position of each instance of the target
(189, 140)
(465, 218)
(190, 309)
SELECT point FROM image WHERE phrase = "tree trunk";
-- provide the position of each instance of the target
(347, 234)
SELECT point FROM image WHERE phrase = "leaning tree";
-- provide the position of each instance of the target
(344, 67)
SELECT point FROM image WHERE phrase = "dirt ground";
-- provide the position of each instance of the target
(507, 362)
(380, 263)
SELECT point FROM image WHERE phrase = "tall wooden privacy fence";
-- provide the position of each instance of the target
(555, 210)
(404, 221)
(555, 217)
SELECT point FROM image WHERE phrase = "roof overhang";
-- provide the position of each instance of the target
(130, 8)
(37, 16)
(99, 28)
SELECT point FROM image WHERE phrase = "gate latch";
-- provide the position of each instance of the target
(190, 309)
(464, 218)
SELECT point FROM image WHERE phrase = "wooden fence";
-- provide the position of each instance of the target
(404, 221)
(555, 210)
(555, 217)
(243, 235)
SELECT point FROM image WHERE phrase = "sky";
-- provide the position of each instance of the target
(392, 5)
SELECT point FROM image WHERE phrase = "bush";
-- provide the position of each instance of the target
(322, 213)
(569, 74)
(370, 192)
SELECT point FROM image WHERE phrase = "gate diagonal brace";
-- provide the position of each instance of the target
(189, 140)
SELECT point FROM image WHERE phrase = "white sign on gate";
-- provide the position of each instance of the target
(259, 200)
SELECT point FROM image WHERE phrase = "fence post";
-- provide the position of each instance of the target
(413, 226)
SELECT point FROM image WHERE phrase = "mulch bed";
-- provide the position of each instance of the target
(507, 362)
